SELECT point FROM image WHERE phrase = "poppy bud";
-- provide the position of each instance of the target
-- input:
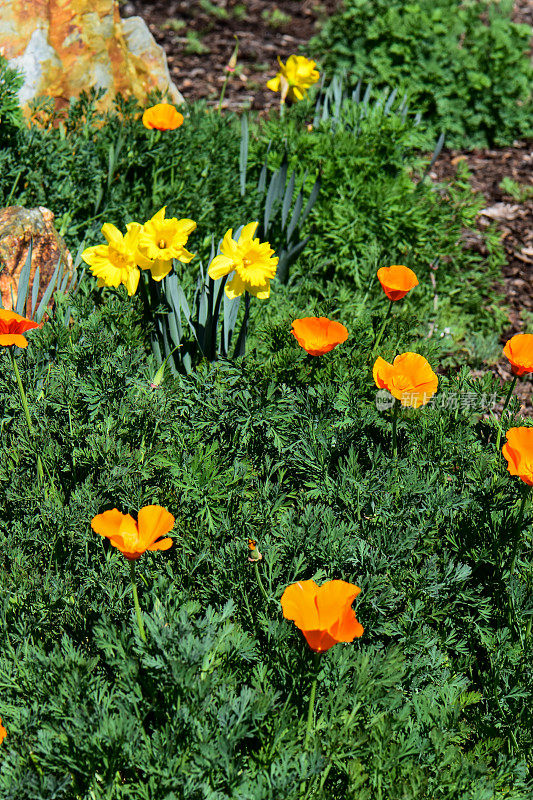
(233, 60)
(254, 554)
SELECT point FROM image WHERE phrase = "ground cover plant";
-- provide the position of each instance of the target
(465, 64)
(181, 547)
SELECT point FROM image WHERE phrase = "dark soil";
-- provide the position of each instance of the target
(198, 37)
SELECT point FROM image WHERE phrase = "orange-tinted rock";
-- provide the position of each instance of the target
(18, 226)
(66, 46)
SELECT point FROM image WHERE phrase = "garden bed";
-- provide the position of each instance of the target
(246, 551)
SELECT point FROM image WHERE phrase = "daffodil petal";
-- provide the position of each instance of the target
(220, 266)
(160, 268)
(112, 235)
(235, 287)
(184, 256)
(132, 281)
(247, 233)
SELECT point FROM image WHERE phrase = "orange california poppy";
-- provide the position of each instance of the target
(409, 379)
(162, 117)
(324, 613)
(3, 732)
(134, 538)
(518, 451)
(12, 326)
(397, 281)
(519, 351)
(318, 335)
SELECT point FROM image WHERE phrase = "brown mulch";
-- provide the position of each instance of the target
(515, 221)
(267, 29)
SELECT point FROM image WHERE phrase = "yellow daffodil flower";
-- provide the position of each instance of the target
(161, 240)
(251, 260)
(118, 261)
(294, 78)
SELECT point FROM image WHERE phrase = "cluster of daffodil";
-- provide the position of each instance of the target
(154, 245)
(151, 246)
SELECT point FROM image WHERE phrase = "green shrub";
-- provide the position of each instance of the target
(463, 64)
(374, 210)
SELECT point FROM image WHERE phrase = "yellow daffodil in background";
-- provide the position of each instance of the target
(254, 267)
(294, 78)
(118, 261)
(161, 240)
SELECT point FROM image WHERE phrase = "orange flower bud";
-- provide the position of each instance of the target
(255, 555)
(397, 280)
(3, 732)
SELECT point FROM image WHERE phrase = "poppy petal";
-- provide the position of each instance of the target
(332, 597)
(17, 339)
(298, 602)
(112, 522)
(154, 521)
(319, 640)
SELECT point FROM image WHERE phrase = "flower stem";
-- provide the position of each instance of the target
(223, 92)
(260, 582)
(380, 332)
(509, 393)
(525, 494)
(312, 696)
(394, 428)
(140, 622)
(40, 472)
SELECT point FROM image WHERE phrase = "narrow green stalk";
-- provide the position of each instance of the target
(140, 622)
(525, 494)
(312, 696)
(310, 716)
(229, 69)
(394, 429)
(223, 92)
(259, 581)
(40, 471)
(509, 393)
(21, 392)
(310, 712)
(380, 332)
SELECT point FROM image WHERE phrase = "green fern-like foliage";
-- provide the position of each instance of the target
(429, 702)
(465, 65)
